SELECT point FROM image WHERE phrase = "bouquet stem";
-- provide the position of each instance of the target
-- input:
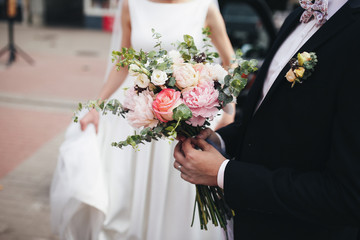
(209, 200)
(211, 206)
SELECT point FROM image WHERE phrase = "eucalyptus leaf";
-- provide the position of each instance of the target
(145, 131)
(151, 54)
(172, 82)
(189, 40)
(162, 66)
(227, 80)
(182, 112)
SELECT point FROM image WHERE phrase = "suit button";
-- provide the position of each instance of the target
(249, 145)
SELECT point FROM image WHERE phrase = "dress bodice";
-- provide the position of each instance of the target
(171, 20)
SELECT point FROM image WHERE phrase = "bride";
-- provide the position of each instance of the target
(101, 192)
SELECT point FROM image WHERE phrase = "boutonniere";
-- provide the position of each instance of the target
(301, 67)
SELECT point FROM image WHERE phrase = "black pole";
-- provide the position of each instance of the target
(12, 48)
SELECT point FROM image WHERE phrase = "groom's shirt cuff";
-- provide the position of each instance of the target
(220, 175)
(221, 171)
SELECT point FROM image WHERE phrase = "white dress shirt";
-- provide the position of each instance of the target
(286, 51)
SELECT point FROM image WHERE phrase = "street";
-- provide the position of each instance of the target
(36, 105)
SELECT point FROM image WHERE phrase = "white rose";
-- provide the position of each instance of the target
(218, 73)
(158, 77)
(142, 80)
(185, 75)
(134, 70)
(175, 56)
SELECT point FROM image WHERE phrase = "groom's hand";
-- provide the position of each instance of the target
(209, 134)
(198, 166)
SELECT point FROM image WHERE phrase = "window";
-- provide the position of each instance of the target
(100, 7)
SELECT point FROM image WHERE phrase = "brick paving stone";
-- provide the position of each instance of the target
(24, 131)
(24, 201)
(67, 77)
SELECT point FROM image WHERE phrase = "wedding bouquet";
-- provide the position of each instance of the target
(178, 93)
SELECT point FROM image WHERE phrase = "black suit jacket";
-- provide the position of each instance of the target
(296, 167)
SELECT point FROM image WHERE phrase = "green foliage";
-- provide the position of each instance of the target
(113, 106)
(171, 82)
(310, 65)
(182, 113)
(145, 135)
(189, 51)
(152, 54)
(237, 79)
(157, 37)
(207, 45)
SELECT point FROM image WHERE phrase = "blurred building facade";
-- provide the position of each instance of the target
(96, 14)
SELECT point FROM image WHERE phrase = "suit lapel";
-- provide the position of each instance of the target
(256, 89)
(336, 23)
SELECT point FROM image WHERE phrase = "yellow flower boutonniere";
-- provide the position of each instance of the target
(301, 67)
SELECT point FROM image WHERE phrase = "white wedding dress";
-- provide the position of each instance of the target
(102, 192)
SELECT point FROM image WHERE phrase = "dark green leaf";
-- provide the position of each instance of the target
(172, 82)
(227, 80)
(182, 112)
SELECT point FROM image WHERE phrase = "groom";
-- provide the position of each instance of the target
(294, 171)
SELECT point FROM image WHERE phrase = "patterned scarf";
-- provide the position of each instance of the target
(318, 9)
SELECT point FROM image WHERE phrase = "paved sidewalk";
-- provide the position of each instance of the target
(36, 104)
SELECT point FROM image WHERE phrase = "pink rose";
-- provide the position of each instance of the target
(140, 109)
(165, 102)
(202, 101)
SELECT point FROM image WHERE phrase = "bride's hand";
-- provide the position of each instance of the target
(225, 120)
(227, 117)
(91, 117)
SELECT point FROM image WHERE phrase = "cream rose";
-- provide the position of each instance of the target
(158, 77)
(185, 75)
(210, 72)
(306, 55)
(303, 57)
(142, 80)
(134, 70)
(218, 73)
